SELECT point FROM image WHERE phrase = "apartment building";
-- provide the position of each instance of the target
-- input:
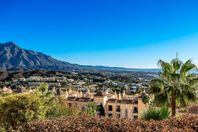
(115, 106)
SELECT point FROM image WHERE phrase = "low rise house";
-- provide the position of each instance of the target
(6, 90)
(80, 102)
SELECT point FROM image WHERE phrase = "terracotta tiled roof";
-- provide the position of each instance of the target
(100, 94)
(124, 101)
(71, 98)
(83, 99)
(135, 101)
(111, 100)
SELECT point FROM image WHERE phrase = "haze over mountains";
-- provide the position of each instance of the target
(14, 57)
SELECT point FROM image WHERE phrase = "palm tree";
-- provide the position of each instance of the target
(177, 85)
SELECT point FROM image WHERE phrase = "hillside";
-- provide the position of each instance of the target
(13, 58)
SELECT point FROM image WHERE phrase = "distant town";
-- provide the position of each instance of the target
(120, 94)
(131, 82)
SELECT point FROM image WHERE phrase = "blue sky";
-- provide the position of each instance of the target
(127, 33)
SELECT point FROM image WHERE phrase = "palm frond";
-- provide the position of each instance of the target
(187, 93)
(166, 69)
(161, 99)
(176, 64)
(187, 67)
(157, 86)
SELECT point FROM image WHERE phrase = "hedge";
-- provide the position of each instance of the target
(100, 124)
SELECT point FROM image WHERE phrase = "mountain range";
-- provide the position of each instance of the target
(14, 57)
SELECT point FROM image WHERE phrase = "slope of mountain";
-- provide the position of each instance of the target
(13, 57)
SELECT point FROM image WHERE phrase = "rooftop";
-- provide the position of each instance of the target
(124, 101)
(99, 94)
(83, 99)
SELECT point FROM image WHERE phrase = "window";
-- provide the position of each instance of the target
(110, 108)
(118, 108)
(110, 115)
(135, 117)
(135, 110)
(126, 113)
(100, 110)
(83, 108)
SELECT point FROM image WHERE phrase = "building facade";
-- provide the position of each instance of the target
(115, 106)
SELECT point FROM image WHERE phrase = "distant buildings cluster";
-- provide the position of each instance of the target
(34, 81)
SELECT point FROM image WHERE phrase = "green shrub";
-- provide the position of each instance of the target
(91, 109)
(2, 129)
(57, 110)
(60, 108)
(145, 99)
(20, 108)
(154, 113)
(55, 106)
(164, 113)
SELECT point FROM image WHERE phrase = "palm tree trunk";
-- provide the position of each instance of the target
(173, 105)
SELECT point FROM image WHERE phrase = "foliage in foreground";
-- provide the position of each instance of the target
(154, 113)
(97, 124)
(19, 109)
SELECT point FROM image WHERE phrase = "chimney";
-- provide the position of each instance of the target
(66, 94)
(70, 90)
(88, 92)
(80, 94)
(119, 96)
(107, 91)
(116, 96)
(123, 94)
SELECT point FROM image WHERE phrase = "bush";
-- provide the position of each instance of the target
(91, 109)
(145, 99)
(20, 108)
(154, 113)
(55, 106)
(101, 124)
(60, 108)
